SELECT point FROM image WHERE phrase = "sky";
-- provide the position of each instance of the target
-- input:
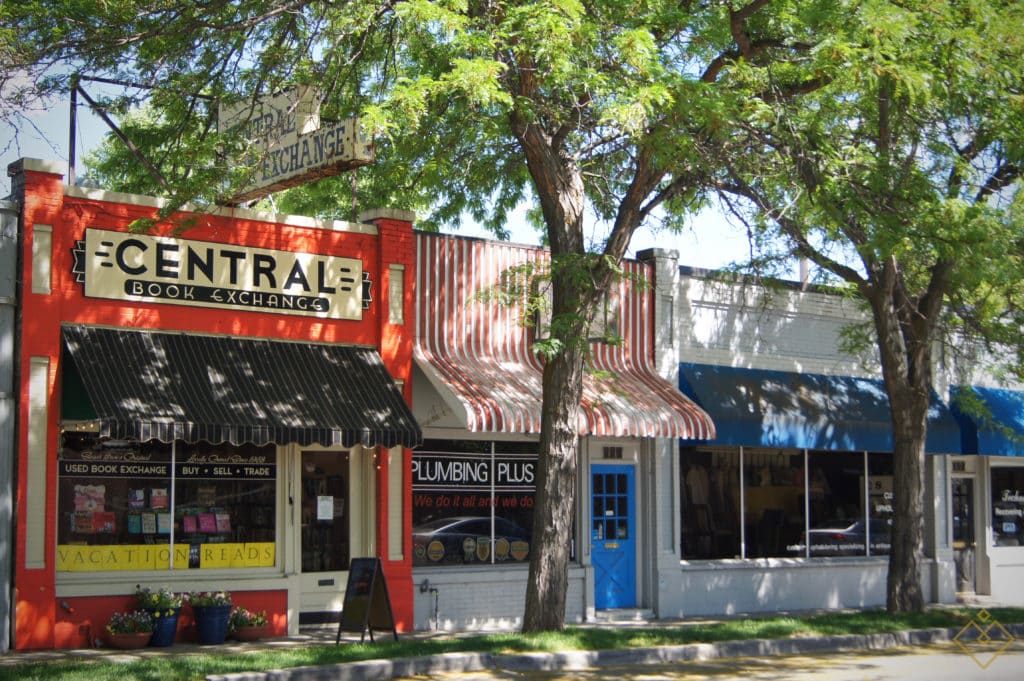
(711, 242)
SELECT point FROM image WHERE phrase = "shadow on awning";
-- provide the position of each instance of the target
(149, 385)
(762, 408)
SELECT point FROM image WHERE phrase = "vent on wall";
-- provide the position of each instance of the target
(613, 453)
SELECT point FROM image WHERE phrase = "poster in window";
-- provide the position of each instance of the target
(158, 498)
(90, 497)
(137, 499)
(82, 522)
(103, 522)
(206, 495)
(149, 523)
(207, 523)
(163, 523)
(325, 508)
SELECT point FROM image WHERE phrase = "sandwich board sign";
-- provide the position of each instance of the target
(367, 605)
(287, 144)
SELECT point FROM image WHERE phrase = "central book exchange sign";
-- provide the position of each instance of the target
(141, 267)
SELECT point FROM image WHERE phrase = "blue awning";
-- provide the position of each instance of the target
(761, 408)
(1001, 433)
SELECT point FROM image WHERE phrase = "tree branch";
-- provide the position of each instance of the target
(791, 228)
(1005, 175)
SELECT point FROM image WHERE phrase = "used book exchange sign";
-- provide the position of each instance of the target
(286, 145)
(139, 267)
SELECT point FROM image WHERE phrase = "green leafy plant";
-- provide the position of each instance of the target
(241, 617)
(134, 622)
(161, 603)
(203, 599)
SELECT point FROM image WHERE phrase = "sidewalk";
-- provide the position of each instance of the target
(522, 663)
(383, 669)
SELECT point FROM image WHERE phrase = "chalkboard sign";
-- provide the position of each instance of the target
(367, 605)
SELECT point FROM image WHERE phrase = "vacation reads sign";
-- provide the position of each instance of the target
(145, 268)
(287, 144)
(94, 558)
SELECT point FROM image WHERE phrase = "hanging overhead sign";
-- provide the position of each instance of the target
(289, 145)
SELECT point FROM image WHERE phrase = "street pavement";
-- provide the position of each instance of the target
(936, 662)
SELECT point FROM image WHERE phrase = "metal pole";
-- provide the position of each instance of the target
(171, 510)
(867, 508)
(73, 125)
(494, 502)
(743, 512)
(807, 507)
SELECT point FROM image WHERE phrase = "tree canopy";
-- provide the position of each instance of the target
(884, 130)
(901, 176)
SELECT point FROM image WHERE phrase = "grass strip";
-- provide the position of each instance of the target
(197, 665)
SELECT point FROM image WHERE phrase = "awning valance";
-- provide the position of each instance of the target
(476, 352)
(762, 408)
(1002, 431)
(149, 385)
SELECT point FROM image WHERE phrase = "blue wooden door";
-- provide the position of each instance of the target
(612, 537)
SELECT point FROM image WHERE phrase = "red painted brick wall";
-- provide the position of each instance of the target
(41, 622)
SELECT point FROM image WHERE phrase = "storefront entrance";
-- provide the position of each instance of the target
(963, 534)
(333, 527)
(613, 537)
(325, 537)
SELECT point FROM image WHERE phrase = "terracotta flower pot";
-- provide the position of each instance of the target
(129, 641)
(250, 633)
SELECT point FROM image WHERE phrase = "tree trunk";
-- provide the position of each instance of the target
(558, 182)
(904, 333)
(548, 580)
(903, 585)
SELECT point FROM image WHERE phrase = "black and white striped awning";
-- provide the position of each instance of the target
(149, 385)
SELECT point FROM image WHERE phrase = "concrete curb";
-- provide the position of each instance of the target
(383, 670)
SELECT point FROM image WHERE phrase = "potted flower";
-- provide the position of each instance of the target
(163, 606)
(246, 625)
(128, 630)
(212, 610)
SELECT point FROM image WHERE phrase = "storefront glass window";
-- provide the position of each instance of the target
(880, 502)
(710, 494)
(836, 504)
(773, 495)
(122, 504)
(775, 498)
(1008, 506)
(472, 505)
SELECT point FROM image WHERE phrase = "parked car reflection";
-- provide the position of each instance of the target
(467, 539)
(843, 538)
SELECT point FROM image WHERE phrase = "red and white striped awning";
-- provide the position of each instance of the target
(479, 351)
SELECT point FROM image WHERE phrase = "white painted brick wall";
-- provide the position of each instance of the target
(482, 599)
(745, 325)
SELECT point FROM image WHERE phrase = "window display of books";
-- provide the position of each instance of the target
(213, 521)
(199, 520)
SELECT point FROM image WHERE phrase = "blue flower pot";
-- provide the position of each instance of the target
(165, 627)
(212, 623)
